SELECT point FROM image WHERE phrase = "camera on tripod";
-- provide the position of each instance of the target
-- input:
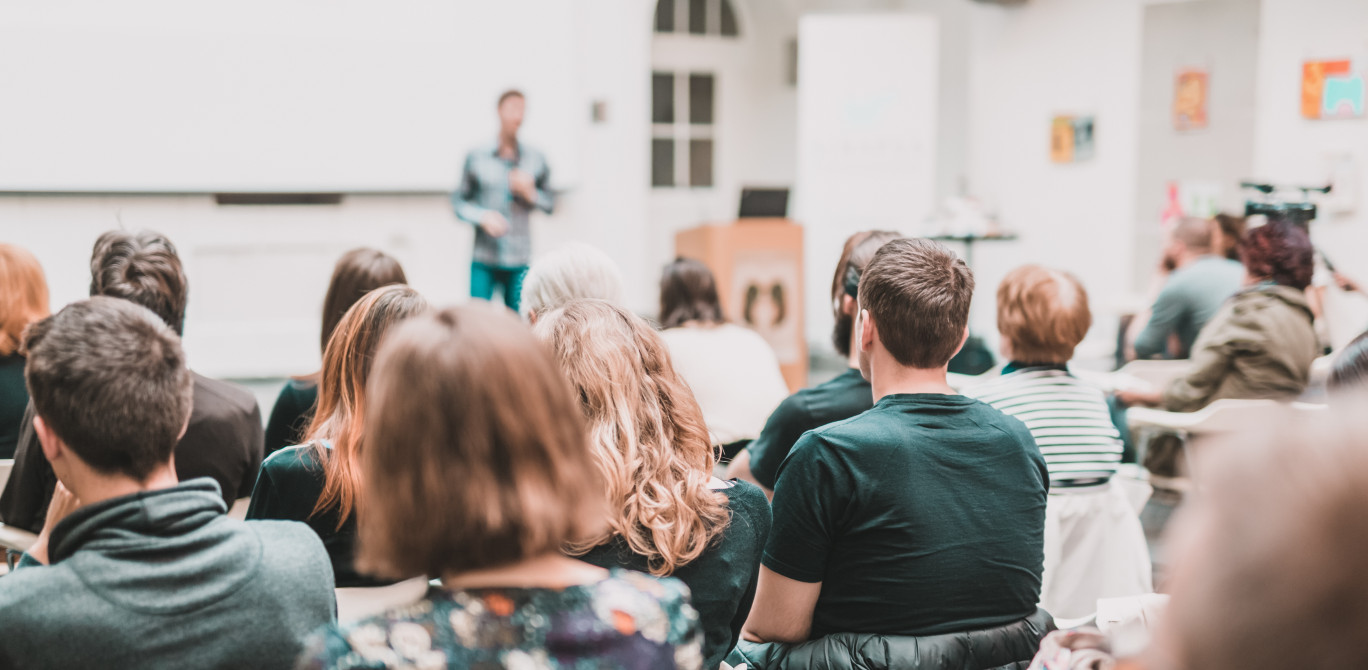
(1282, 203)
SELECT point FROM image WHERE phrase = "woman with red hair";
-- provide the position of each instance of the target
(23, 300)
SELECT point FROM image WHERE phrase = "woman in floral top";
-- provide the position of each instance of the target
(468, 415)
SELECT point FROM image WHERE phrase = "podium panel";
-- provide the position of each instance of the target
(758, 264)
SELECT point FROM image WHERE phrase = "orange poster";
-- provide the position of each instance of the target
(1314, 74)
(1190, 100)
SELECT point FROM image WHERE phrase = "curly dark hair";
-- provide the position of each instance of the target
(1279, 251)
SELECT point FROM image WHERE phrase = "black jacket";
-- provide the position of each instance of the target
(223, 442)
(1009, 647)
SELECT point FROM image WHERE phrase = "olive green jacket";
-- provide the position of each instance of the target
(1259, 345)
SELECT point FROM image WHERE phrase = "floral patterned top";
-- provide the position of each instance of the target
(627, 621)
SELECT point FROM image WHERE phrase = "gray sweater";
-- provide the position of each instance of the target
(163, 579)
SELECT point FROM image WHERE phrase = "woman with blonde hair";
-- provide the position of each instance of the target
(23, 300)
(669, 515)
(484, 465)
(318, 482)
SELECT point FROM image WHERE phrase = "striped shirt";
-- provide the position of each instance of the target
(1068, 418)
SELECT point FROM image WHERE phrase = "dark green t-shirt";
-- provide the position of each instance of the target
(924, 515)
(13, 400)
(722, 580)
(844, 396)
(289, 485)
(294, 409)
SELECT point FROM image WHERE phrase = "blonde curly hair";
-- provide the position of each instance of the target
(646, 432)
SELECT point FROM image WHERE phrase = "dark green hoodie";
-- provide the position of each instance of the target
(164, 579)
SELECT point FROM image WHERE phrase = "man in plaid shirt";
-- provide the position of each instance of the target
(500, 185)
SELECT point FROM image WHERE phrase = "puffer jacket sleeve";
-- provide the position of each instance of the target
(1008, 647)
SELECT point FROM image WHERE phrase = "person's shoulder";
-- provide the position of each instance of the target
(292, 553)
(220, 399)
(279, 537)
(35, 594)
(997, 422)
(300, 461)
(666, 595)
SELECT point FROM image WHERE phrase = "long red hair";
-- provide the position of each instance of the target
(341, 393)
(23, 295)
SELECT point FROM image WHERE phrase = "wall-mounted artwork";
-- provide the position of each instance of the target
(1190, 100)
(1071, 139)
(1331, 89)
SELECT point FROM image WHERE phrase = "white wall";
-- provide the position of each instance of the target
(1293, 150)
(1221, 36)
(257, 274)
(1027, 65)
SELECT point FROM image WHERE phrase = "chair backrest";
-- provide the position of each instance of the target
(356, 603)
(1155, 373)
(6, 464)
(1222, 416)
(16, 539)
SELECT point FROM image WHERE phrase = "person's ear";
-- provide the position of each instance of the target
(865, 328)
(52, 445)
(964, 337)
(184, 427)
(531, 318)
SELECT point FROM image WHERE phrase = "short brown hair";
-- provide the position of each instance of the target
(918, 292)
(688, 292)
(1279, 251)
(478, 445)
(1267, 570)
(144, 268)
(109, 378)
(859, 249)
(357, 273)
(1042, 313)
(23, 295)
(510, 93)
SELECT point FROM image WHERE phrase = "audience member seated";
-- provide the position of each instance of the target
(575, 271)
(223, 440)
(1094, 545)
(1267, 570)
(1349, 373)
(134, 569)
(1198, 283)
(357, 273)
(844, 396)
(923, 516)
(484, 462)
(1227, 232)
(23, 300)
(732, 370)
(318, 482)
(1262, 342)
(668, 515)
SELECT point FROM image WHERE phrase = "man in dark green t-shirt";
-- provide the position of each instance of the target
(924, 515)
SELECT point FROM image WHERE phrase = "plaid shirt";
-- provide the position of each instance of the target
(484, 187)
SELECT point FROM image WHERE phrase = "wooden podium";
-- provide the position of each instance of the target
(759, 268)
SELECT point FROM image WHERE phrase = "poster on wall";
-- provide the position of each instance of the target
(1331, 89)
(1071, 139)
(764, 298)
(1190, 100)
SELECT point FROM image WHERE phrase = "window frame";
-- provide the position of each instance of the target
(683, 132)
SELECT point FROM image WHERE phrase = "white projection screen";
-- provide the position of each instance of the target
(867, 101)
(274, 95)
